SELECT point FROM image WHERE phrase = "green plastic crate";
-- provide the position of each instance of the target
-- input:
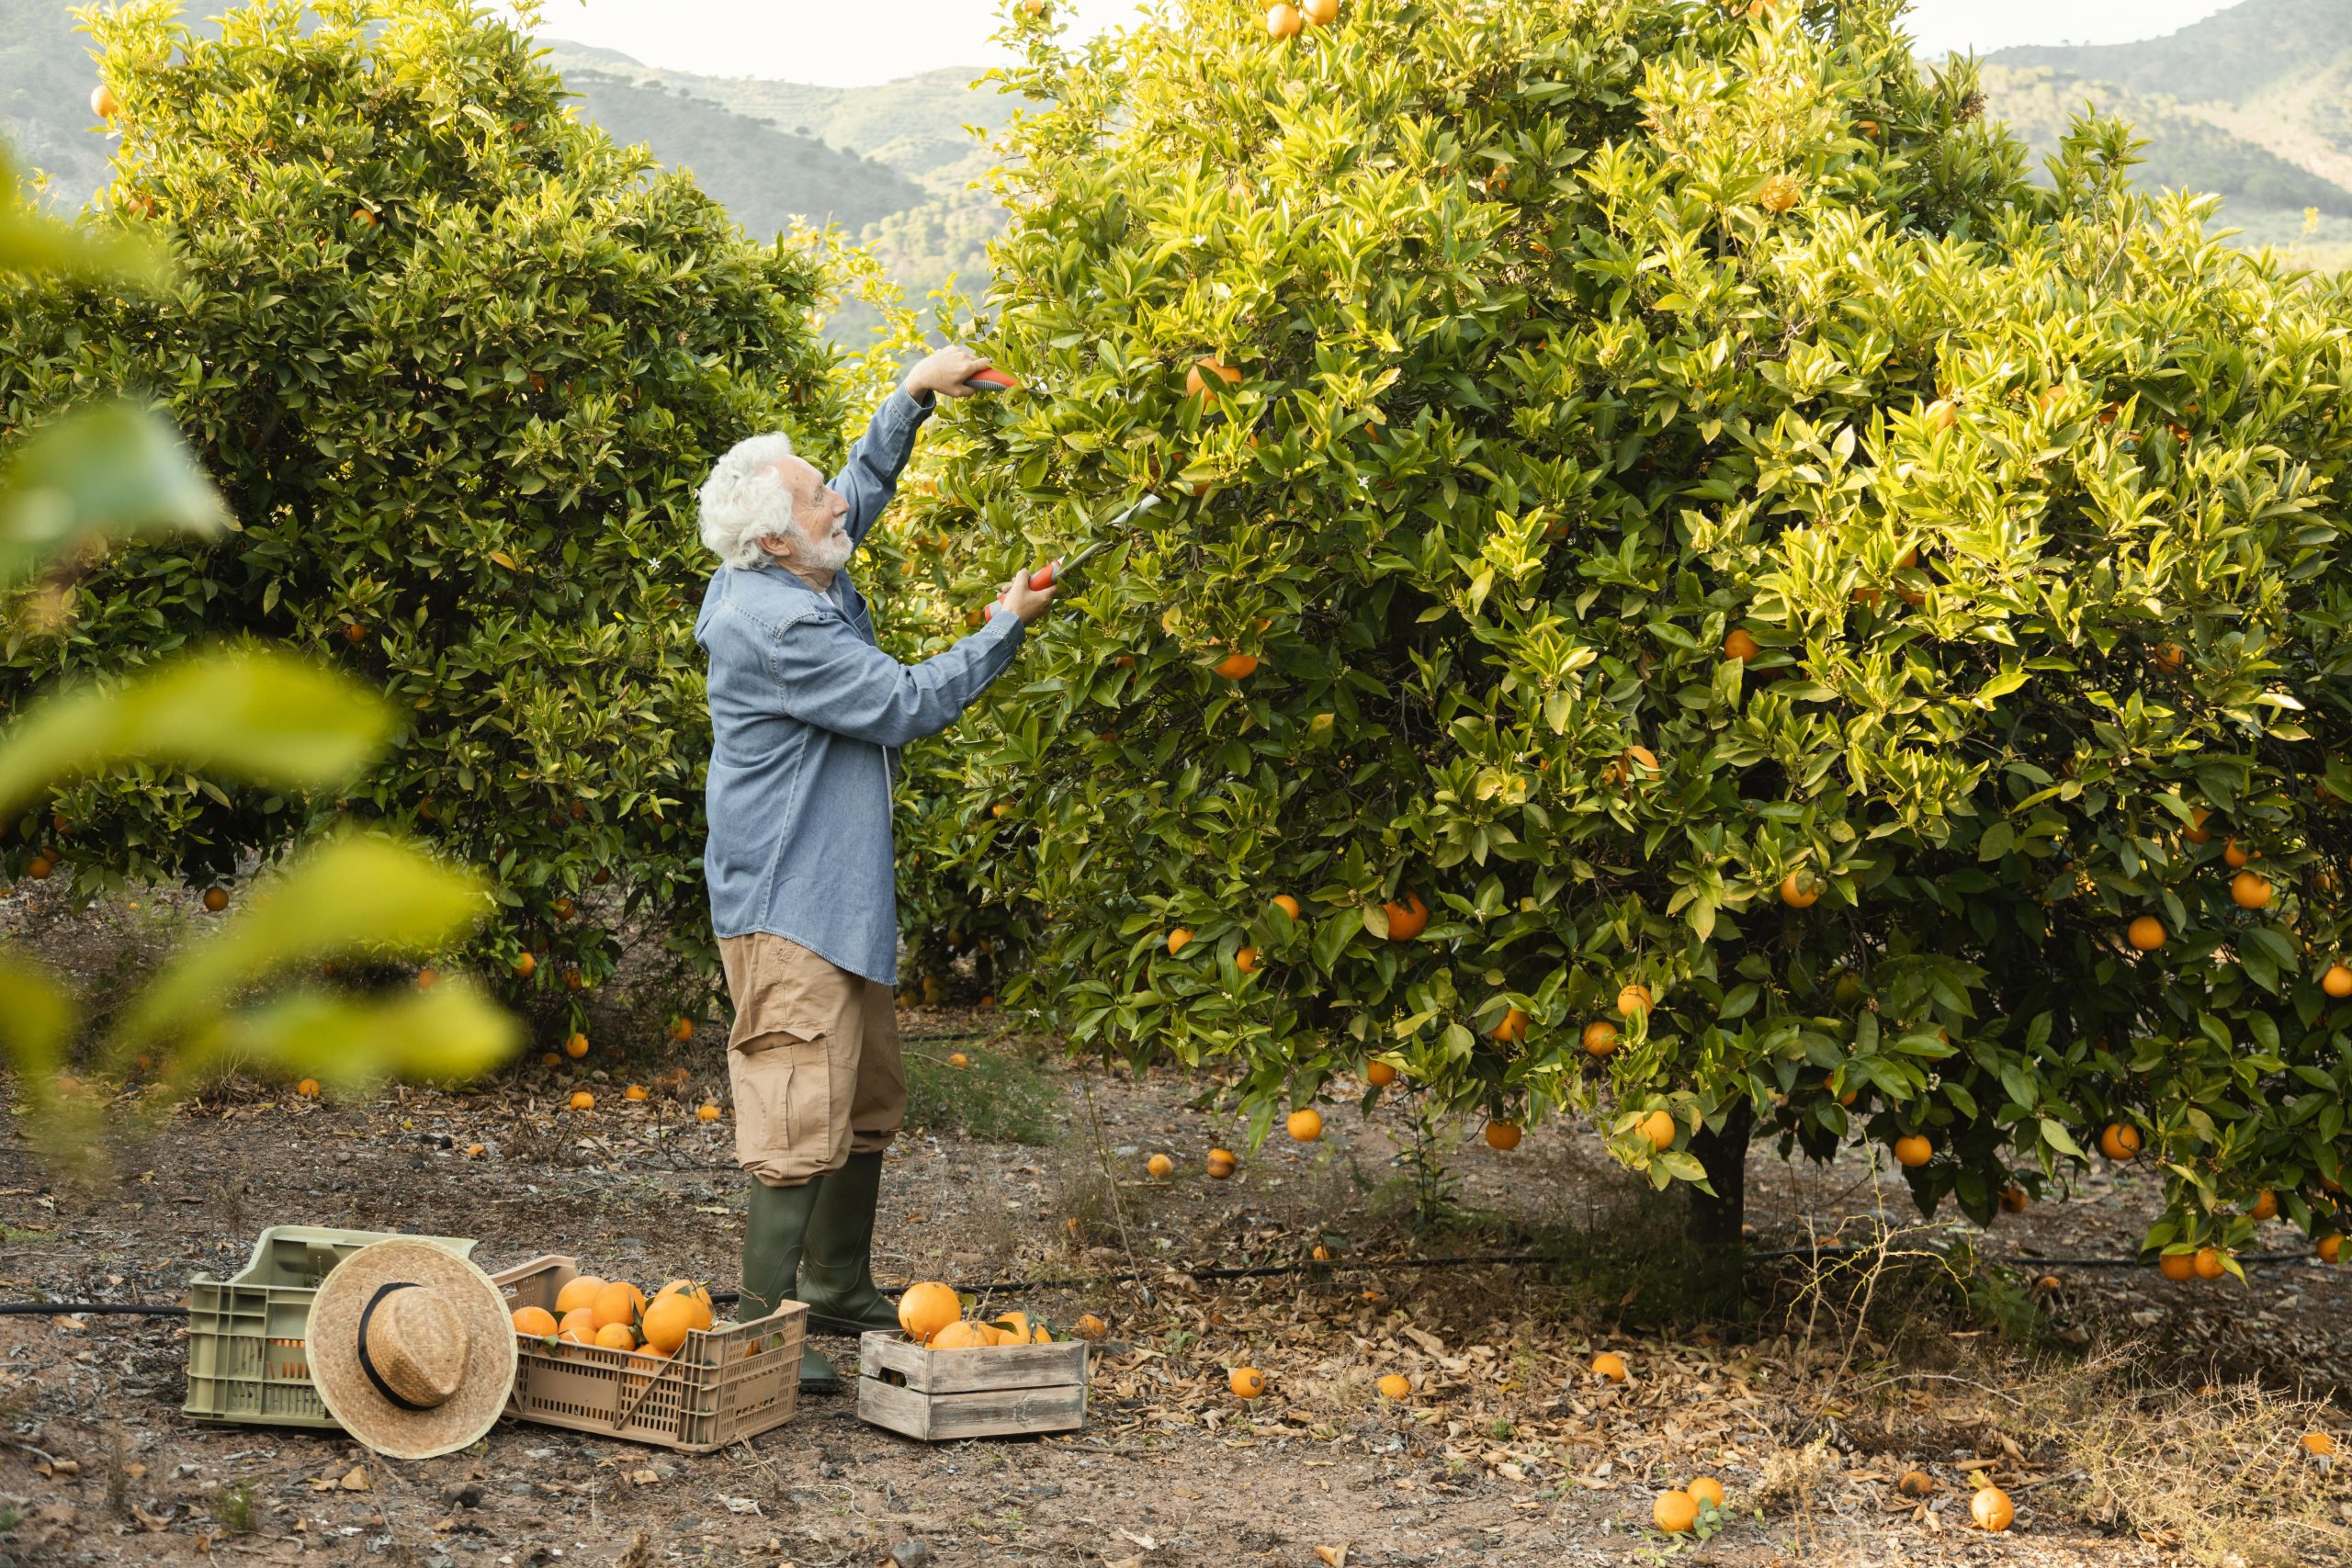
(248, 1337)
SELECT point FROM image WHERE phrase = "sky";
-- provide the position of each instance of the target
(855, 45)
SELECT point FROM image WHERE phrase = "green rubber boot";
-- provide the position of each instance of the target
(837, 1269)
(775, 1231)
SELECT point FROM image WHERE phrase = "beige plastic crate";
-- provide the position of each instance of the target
(734, 1380)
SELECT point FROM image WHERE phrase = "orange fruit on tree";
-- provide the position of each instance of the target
(527, 965)
(39, 868)
(1304, 1125)
(707, 1113)
(582, 1100)
(1161, 1166)
(1407, 920)
(2249, 890)
(2013, 1200)
(2266, 1205)
(1740, 646)
(1676, 1513)
(1991, 1509)
(578, 1292)
(2329, 1248)
(427, 978)
(1288, 905)
(535, 1322)
(1611, 1365)
(1503, 1135)
(618, 1301)
(2232, 855)
(1914, 1150)
(1659, 1128)
(1634, 999)
(1283, 21)
(1197, 385)
(2197, 832)
(216, 900)
(2118, 1141)
(1379, 1075)
(925, 1309)
(1708, 1490)
(1246, 960)
(1512, 1029)
(1178, 939)
(1233, 666)
(681, 1030)
(575, 1045)
(1600, 1037)
(2177, 1267)
(2210, 1264)
(2146, 934)
(1800, 891)
(615, 1337)
(364, 218)
(2170, 657)
(2337, 982)
(1320, 12)
(103, 103)
(1395, 1386)
(1779, 194)
(1247, 1383)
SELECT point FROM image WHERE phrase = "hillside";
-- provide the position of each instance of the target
(45, 81)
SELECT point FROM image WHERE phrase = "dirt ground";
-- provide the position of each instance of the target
(2131, 1420)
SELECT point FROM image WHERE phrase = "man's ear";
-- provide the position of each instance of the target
(777, 545)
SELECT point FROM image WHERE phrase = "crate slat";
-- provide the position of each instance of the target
(997, 1413)
(972, 1371)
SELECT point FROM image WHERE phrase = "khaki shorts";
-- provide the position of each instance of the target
(813, 1060)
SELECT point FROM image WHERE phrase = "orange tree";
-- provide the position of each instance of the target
(1716, 603)
(458, 366)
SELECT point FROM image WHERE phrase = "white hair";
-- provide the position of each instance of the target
(746, 499)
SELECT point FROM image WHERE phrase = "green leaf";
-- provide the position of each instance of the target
(450, 1032)
(110, 472)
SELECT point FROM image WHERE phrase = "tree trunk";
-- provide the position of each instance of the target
(1712, 1225)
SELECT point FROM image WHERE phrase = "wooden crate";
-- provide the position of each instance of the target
(1000, 1391)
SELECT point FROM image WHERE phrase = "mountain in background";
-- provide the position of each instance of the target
(2254, 102)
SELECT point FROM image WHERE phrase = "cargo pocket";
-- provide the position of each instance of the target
(784, 1110)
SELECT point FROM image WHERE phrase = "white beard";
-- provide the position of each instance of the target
(831, 556)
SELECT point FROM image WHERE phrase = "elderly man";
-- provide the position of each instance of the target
(806, 714)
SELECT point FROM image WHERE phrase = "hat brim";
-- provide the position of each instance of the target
(352, 1397)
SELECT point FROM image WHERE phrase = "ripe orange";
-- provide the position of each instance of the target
(1634, 999)
(354, 633)
(216, 900)
(2117, 1141)
(527, 965)
(1321, 1254)
(1941, 415)
(1800, 891)
(2337, 982)
(550, 1058)
(2266, 1205)
(1288, 905)
(1283, 21)
(1304, 1125)
(618, 1301)
(1741, 646)
(669, 1317)
(1320, 12)
(961, 1335)
(1634, 763)
(1197, 385)
(535, 1322)
(2013, 1200)
(2319, 1445)
(582, 1100)
(2231, 855)
(1090, 1327)
(1600, 1037)
(707, 1113)
(2249, 891)
(617, 1337)
(1233, 666)
(426, 978)
(1991, 1509)
(579, 1326)
(1395, 1386)
(1379, 1075)
(1675, 1512)
(579, 1292)
(308, 1089)
(2209, 1263)
(1512, 1029)
(2177, 1267)
(1247, 1383)
(2170, 657)
(2329, 1248)
(1916, 1483)
(1407, 920)
(1223, 1156)
(103, 103)
(1611, 1365)
(2197, 832)
(575, 1045)
(1220, 1169)
(634, 1091)
(681, 1030)
(39, 868)
(1914, 1150)
(1161, 1166)
(927, 1308)
(1177, 940)
(2146, 934)
(1659, 1127)
(1246, 960)
(1503, 1135)
(1707, 1490)
(957, 1059)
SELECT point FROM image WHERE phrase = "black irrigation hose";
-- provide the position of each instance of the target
(1256, 1271)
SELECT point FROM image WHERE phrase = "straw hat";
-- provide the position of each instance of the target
(411, 1348)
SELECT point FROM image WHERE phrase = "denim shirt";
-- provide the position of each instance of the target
(806, 714)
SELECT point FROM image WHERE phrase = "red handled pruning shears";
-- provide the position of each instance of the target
(1054, 570)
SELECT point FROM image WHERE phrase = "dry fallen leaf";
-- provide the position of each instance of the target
(1334, 1556)
(356, 1480)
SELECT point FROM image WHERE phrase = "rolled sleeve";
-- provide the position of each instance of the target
(830, 677)
(871, 477)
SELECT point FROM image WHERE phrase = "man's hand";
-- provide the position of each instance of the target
(945, 372)
(1024, 601)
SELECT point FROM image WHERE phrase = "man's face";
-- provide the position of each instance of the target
(819, 519)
